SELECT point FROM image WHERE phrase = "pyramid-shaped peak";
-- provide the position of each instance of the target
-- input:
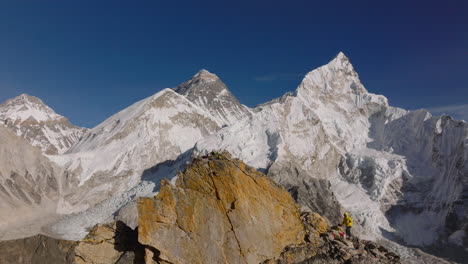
(205, 75)
(338, 70)
(204, 71)
(207, 91)
(203, 80)
(25, 98)
(341, 62)
(341, 56)
(25, 106)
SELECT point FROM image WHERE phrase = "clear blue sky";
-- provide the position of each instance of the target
(90, 59)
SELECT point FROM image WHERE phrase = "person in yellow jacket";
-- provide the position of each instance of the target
(348, 223)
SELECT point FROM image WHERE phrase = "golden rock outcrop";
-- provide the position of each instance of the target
(218, 211)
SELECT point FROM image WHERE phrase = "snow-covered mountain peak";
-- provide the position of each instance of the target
(24, 107)
(33, 120)
(204, 75)
(337, 81)
(26, 97)
(342, 63)
(338, 68)
(200, 82)
(207, 91)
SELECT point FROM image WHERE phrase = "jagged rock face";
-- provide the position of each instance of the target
(208, 92)
(218, 211)
(38, 249)
(432, 201)
(29, 183)
(312, 194)
(30, 118)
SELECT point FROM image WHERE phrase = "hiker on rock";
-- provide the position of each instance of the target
(348, 223)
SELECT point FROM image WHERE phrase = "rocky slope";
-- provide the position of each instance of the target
(111, 243)
(217, 211)
(38, 249)
(30, 118)
(325, 244)
(29, 186)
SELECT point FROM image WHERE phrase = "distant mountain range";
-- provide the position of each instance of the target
(402, 175)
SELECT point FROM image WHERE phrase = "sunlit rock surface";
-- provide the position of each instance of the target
(219, 211)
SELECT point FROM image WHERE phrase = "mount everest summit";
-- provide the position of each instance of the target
(401, 174)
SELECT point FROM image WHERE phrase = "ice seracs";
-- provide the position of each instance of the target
(31, 119)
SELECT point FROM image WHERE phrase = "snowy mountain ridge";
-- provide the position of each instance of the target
(112, 157)
(402, 175)
(30, 118)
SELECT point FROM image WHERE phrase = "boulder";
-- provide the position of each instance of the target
(218, 211)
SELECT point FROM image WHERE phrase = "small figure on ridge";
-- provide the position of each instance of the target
(348, 223)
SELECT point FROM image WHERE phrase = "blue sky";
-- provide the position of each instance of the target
(90, 59)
